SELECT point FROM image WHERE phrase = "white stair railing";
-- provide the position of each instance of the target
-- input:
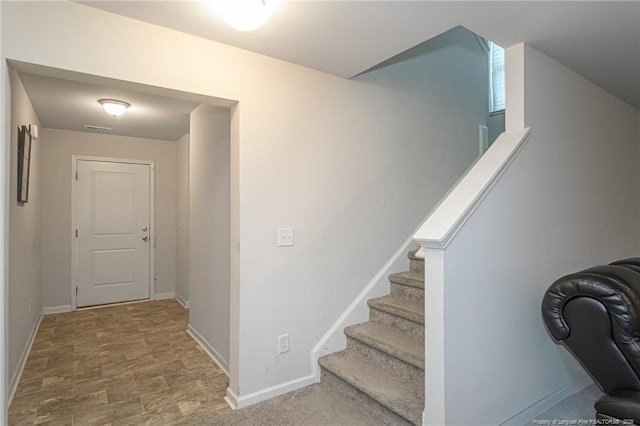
(434, 236)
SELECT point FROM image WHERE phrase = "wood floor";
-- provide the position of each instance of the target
(130, 364)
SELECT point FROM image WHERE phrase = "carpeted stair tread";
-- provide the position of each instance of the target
(412, 279)
(416, 264)
(392, 341)
(412, 310)
(412, 256)
(401, 396)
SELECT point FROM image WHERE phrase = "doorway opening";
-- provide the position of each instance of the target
(119, 263)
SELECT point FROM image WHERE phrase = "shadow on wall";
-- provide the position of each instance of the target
(469, 63)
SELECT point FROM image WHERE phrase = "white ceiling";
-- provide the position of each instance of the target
(598, 39)
(69, 105)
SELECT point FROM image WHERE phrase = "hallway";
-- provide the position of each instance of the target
(128, 364)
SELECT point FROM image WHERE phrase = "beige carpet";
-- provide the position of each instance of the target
(326, 403)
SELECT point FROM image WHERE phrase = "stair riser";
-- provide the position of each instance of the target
(403, 369)
(406, 291)
(416, 265)
(391, 320)
(346, 390)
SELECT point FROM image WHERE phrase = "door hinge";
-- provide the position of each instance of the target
(76, 290)
(76, 175)
(76, 233)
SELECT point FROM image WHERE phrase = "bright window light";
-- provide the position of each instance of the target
(496, 72)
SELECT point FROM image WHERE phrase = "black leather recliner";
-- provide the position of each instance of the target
(595, 314)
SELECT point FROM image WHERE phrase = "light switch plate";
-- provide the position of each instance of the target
(283, 343)
(285, 237)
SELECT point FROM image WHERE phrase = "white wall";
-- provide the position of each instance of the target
(25, 235)
(352, 165)
(58, 148)
(182, 216)
(567, 202)
(447, 78)
(209, 228)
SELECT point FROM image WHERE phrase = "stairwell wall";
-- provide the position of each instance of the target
(351, 165)
(447, 77)
(567, 202)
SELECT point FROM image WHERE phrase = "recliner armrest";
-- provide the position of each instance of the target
(622, 405)
(602, 304)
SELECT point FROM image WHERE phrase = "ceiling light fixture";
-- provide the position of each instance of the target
(114, 107)
(244, 15)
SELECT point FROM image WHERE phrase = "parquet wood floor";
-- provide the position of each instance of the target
(129, 364)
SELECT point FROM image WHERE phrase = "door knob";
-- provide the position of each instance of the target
(145, 238)
(144, 229)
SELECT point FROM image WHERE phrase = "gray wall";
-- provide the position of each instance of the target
(496, 125)
(182, 216)
(60, 145)
(446, 83)
(209, 228)
(25, 235)
(567, 202)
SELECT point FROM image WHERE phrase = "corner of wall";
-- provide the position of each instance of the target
(182, 301)
(15, 378)
(210, 350)
(529, 414)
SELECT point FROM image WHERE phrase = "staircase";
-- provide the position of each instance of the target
(383, 365)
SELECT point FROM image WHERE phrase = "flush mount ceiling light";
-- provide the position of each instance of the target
(114, 107)
(244, 15)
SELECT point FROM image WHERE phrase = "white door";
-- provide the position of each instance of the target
(113, 232)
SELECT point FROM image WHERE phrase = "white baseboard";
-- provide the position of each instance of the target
(162, 296)
(23, 359)
(236, 402)
(180, 300)
(539, 407)
(56, 309)
(334, 339)
(215, 355)
(231, 399)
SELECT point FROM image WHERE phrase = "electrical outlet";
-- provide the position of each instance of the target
(283, 343)
(285, 237)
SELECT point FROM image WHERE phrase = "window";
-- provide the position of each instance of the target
(496, 73)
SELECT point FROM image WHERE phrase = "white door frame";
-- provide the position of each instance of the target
(74, 201)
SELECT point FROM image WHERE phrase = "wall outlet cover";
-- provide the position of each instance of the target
(285, 237)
